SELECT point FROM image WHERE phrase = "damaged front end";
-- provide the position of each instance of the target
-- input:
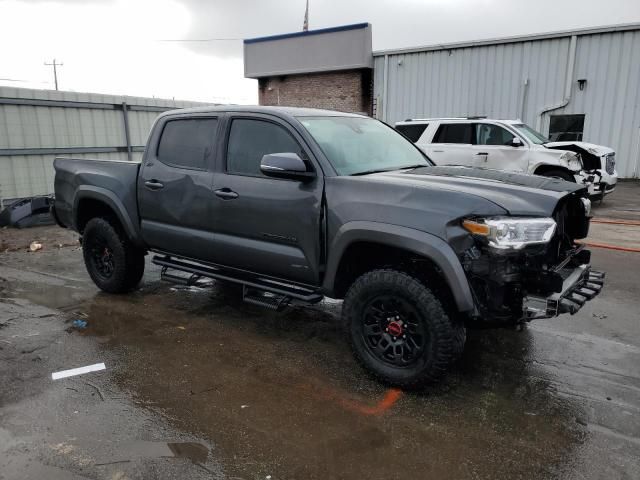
(598, 172)
(524, 268)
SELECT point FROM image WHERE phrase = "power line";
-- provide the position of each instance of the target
(199, 39)
(55, 71)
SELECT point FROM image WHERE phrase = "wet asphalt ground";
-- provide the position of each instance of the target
(200, 385)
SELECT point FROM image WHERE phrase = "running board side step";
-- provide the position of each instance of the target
(253, 286)
(268, 300)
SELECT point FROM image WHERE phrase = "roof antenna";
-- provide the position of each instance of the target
(305, 25)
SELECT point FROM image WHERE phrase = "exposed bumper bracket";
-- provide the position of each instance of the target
(580, 286)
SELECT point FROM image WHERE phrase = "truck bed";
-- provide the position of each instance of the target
(78, 178)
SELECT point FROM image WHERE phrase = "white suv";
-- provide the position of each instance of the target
(512, 145)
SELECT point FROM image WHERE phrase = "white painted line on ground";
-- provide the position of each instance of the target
(77, 371)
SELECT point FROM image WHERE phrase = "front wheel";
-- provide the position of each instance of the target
(398, 329)
(114, 264)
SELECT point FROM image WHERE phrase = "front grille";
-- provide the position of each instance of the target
(610, 164)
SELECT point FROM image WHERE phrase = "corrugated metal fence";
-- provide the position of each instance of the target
(519, 79)
(38, 125)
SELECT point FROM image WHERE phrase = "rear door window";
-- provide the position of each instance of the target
(413, 132)
(250, 140)
(188, 143)
(454, 133)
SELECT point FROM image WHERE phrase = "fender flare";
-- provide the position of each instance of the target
(421, 243)
(112, 201)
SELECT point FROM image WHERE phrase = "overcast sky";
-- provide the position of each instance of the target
(138, 47)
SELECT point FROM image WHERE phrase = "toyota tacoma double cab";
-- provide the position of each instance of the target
(295, 205)
(513, 146)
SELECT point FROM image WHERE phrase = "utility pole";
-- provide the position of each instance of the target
(305, 24)
(55, 71)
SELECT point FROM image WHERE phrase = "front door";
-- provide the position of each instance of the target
(266, 225)
(174, 187)
(493, 149)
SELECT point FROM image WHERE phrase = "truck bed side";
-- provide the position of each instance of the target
(85, 187)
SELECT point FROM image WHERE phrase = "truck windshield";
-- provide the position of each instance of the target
(356, 145)
(532, 135)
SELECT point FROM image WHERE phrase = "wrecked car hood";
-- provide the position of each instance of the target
(580, 147)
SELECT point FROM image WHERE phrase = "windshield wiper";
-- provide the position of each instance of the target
(381, 170)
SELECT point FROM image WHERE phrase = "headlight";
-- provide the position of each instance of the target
(512, 232)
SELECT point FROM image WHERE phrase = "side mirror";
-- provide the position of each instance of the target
(285, 165)
(515, 142)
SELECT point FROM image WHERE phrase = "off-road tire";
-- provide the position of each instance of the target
(459, 339)
(127, 260)
(443, 339)
(561, 174)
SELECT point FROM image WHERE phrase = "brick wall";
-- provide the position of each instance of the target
(347, 91)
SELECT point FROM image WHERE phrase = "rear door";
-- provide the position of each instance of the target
(266, 225)
(492, 149)
(174, 186)
(452, 144)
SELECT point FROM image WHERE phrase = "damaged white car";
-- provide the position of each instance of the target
(513, 146)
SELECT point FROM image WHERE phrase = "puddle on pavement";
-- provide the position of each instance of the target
(271, 391)
(275, 393)
(127, 451)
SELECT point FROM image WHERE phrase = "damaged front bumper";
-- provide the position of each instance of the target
(580, 285)
(598, 182)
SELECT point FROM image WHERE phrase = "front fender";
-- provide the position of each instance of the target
(129, 224)
(554, 159)
(420, 243)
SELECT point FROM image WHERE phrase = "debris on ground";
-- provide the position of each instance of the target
(79, 323)
(78, 371)
(97, 390)
(35, 246)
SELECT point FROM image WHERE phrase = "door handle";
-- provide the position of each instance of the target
(226, 194)
(482, 153)
(153, 184)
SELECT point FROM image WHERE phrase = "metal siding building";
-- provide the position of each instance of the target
(520, 77)
(38, 125)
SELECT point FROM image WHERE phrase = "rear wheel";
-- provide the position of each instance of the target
(559, 174)
(399, 330)
(114, 264)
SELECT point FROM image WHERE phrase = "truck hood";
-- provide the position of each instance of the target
(518, 194)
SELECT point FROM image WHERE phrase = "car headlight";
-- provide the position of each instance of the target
(512, 232)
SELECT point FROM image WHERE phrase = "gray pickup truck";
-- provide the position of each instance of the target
(298, 204)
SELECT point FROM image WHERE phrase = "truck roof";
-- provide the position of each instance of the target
(277, 111)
